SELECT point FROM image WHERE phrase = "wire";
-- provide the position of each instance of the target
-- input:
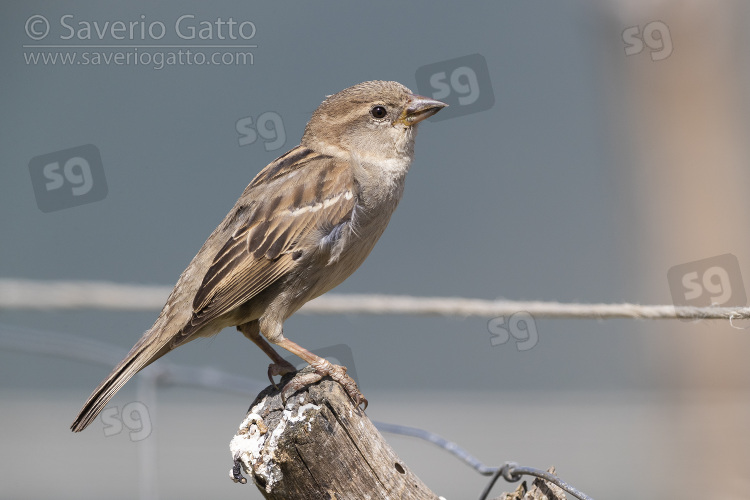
(440, 441)
(512, 472)
(64, 295)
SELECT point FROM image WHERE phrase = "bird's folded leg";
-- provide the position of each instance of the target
(322, 368)
(280, 366)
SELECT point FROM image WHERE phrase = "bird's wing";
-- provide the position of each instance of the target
(295, 200)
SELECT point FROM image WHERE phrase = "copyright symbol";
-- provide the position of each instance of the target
(37, 27)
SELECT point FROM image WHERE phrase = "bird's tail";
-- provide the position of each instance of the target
(137, 359)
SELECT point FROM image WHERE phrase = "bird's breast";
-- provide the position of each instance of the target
(344, 249)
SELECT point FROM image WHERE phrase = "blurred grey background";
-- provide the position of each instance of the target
(612, 150)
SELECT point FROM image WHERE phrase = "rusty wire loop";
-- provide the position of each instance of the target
(510, 471)
(513, 472)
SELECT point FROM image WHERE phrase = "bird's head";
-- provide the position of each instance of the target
(375, 119)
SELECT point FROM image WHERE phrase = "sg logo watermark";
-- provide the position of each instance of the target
(68, 178)
(134, 417)
(521, 326)
(463, 83)
(655, 36)
(338, 354)
(703, 283)
(269, 126)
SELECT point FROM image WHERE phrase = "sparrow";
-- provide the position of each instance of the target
(301, 227)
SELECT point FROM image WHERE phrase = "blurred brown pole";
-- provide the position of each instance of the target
(688, 187)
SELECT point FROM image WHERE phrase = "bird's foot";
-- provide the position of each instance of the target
(323, 368)
(281, 367)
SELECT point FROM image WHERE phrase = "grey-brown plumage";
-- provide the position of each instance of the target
(301, 227)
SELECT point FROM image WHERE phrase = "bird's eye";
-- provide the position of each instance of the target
(378, 112)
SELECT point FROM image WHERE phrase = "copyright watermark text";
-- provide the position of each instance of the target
(186, 40)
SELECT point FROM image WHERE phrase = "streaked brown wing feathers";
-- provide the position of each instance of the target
(292, 160)
(288, 211)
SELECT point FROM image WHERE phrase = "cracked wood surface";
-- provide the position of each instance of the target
(319, 446)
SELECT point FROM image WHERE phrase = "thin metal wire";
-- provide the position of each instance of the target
(440, 441)
(512, 472)
(64, 345)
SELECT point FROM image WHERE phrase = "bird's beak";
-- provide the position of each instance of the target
(418, 108)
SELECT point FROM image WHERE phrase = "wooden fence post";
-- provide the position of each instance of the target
(319, 446)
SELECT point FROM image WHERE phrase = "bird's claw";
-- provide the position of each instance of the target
(280, 368)
(322, 369)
